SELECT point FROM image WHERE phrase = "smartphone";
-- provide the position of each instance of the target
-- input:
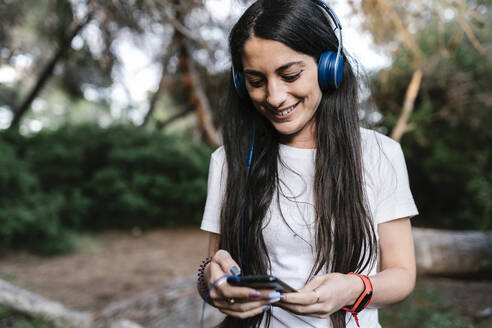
(261, 282)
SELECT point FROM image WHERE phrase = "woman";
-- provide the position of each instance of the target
(320, 197)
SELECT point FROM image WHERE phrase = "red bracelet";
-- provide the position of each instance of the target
(363, 300)
(201, 271)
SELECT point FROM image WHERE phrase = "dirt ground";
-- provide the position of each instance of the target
(109, 267)
(116, 265)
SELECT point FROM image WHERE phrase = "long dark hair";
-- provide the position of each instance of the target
(339, 193)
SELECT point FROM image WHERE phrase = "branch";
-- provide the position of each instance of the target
(402, 126)
(185, 31)
(76, 26)
(176, 23)
(163, 124)
(162, 82)
(469, 33)
(402, 31)
(472, 12)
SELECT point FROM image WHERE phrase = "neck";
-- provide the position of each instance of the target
(301, 139)
(309, 144)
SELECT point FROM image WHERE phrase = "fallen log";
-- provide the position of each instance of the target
(174, 305)
(33, 305)
(453, 253)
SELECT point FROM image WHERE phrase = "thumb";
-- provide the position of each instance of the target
(226, 262)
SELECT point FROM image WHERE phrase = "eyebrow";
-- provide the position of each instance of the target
(278, 70)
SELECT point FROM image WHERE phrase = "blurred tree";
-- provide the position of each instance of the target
(39, 44)
(27, 41)
(45, 41)
(64, 43)
(181, 47)
(448, 140)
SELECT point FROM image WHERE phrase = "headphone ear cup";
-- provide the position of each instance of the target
(330, 73)
(240, 85)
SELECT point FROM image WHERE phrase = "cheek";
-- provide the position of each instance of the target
(311, 95)
(309, 88)
(316, 93)
(317, 98)
(257, 97)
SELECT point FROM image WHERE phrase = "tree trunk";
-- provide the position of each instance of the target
(48, 70)
(453, 253)
(191, 80)
(198, 98)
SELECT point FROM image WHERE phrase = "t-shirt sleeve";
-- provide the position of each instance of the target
(394, 200)
(215, 192)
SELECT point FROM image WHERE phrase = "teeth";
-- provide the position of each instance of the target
(287, 111)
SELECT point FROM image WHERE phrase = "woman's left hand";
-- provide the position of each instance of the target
(323, 295)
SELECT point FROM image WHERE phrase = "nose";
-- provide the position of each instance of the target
(276, 93)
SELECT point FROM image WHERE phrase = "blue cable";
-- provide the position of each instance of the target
(250, 157)
(250, 160)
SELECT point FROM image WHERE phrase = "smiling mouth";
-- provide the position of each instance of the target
(286, 111)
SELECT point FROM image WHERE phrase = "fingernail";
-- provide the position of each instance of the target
(235, 271)
(275, 300)
(282, 298)
(274, 295)
(254, 294)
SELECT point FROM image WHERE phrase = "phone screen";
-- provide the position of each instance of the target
(262, 282)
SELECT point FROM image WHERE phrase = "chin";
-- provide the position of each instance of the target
(286, 129)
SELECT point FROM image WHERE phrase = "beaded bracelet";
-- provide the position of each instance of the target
(201, 271)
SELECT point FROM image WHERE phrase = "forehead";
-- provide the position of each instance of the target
(267, 55)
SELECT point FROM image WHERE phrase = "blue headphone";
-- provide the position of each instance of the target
(330, 64)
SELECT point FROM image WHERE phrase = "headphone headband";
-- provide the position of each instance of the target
(330, 12)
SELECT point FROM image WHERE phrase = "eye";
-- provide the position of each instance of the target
(255, 83)
(291, 78)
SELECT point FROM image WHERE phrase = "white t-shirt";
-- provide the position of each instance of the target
(289, 248)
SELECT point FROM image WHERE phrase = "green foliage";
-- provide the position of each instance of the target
(424, 309)
(27, 215)
(85, 177)
(449, 152)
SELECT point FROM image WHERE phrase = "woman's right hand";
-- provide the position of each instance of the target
(239, 302)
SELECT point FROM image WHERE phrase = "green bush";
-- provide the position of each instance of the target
(85, 177)
(28, 217)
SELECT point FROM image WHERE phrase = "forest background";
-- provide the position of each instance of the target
(78, 154)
